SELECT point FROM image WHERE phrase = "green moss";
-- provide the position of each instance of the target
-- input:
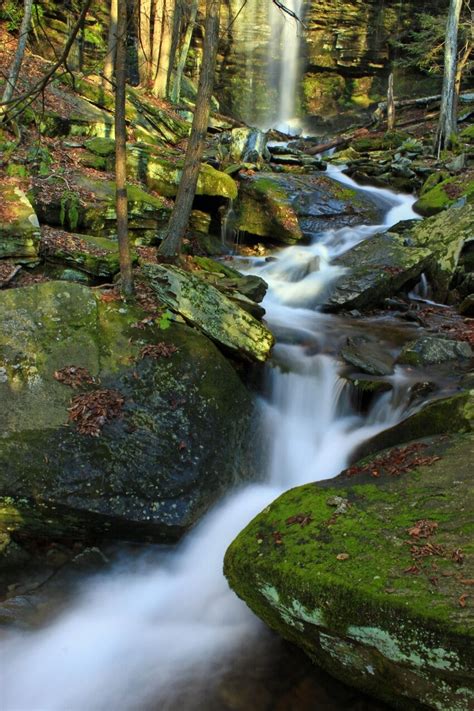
(444, 194)
(467, 134)
(303, 590)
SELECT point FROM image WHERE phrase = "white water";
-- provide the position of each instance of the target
(138, 640)
(285, 41)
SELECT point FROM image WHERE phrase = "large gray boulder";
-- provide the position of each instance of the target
(151, 472)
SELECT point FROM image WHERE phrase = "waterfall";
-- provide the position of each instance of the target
(284, 64)
(161, 635)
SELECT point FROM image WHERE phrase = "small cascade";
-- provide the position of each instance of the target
(229, 226)
(284, 64)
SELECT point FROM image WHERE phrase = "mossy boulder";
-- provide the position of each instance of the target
(430, 350)
(202, 305)
(19, 226)
(161, 170)
(152, 472)
(446, 415)
(444, 194)
(370, 576)
(376, 269)
(287, 207)
(97, 256)
(88, 206)
(445, 236)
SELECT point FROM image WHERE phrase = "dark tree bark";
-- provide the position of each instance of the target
(15, 67)
(171, 245)
(447, 126)
(121, 149)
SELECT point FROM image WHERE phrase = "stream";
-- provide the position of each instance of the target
(164, 631)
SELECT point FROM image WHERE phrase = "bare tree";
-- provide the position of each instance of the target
(15, 67)
(121, 149)
(390, 104)
(447, 126)
(171, 245)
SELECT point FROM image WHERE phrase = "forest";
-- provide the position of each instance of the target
(236, 355)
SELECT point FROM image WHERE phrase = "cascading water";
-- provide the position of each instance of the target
(285, 40)
(150, 638)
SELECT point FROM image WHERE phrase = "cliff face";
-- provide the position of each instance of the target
(344, 52)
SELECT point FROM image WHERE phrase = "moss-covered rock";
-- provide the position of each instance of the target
(444, 235)
(161, 170)
(88, 206)
(97, 256)
(150, 473)
(444, 194)
(375, 591)
(430, 350)
(19, 226)
(446, 415)
(285, 208)
(203, 306)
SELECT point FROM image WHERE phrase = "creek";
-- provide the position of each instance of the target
(165, 631)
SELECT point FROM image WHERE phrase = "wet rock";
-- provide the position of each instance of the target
(19, 226)
(287, 207)
(203, 306)
(373, 611)
(448, 415)
(153, 471)
(375, 270)
(431, 350)
(367, 356)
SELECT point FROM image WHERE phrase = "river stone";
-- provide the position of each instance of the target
(342, 586)
(376, 269)
(431, 350)
(203, 306)
(151, 473)
(19, 227)
(367, 356)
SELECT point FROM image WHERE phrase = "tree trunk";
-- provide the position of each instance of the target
(109, 63)
(390, 104)
(447, 126)
(160, 85)
(144, 42)
(157, 32)
(171, 245)
(121, 149)
(15, 67)
(183, 54)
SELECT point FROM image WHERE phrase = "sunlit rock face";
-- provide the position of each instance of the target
(338, 61)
